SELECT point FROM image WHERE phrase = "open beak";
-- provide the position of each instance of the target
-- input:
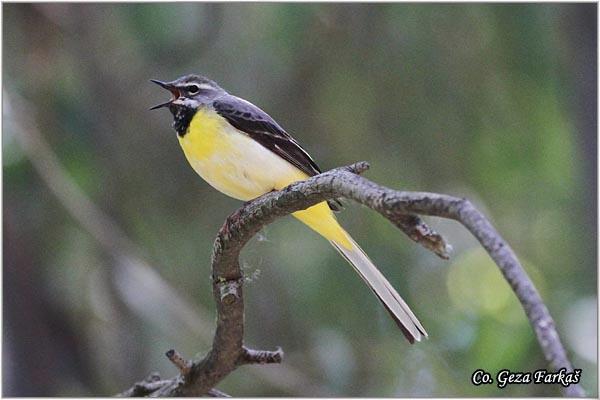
(171, 88)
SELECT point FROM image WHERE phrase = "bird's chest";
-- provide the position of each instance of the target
(230, 161)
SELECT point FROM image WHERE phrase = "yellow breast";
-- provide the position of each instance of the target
(232, 162)
(240, 167)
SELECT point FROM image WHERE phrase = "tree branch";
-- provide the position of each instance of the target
(250, 356)
(228, 345)
(181, 363)
(145, 387)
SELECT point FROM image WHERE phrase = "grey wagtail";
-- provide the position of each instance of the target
(242, 152)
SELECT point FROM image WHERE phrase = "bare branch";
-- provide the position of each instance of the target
(182, 364)
(420, 232)
(217, 393)
(250, 356)
(145, 387)
(411, 224)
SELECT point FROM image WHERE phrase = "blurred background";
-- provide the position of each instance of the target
(108, 232)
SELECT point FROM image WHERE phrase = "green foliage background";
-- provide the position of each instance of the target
(496, 103)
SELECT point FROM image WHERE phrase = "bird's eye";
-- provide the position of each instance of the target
(193, 89)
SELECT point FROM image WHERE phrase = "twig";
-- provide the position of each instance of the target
(250, 356)
(412, 225)
(182, 364)
(152, 385)
(145, 387)
(421, 233)
(217, 393)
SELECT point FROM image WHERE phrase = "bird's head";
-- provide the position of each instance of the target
(190, 91)
(188, 94)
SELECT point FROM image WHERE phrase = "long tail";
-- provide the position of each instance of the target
(320, 219)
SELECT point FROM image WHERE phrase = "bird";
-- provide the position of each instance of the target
(241, 151)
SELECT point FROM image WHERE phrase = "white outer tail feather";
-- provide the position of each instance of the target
(398, 309)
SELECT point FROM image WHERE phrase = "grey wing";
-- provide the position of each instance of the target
(257, 124)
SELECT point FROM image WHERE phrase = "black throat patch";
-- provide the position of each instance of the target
(182, 116)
